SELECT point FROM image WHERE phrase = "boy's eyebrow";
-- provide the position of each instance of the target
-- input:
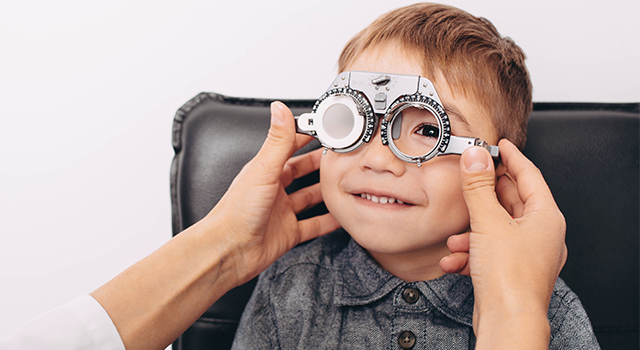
(451, 111)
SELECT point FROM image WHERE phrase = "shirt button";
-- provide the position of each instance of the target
(411, 295)
(407, 340)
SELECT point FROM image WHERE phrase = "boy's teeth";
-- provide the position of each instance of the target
(381, 199)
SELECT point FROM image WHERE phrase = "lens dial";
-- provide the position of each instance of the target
(416, 128)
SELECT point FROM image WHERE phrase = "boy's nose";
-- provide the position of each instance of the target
(378, 157)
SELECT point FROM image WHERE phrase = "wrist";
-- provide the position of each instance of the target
(215, 250)
(229, 256)
(512, 325)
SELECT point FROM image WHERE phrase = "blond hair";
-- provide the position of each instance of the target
(468, 51)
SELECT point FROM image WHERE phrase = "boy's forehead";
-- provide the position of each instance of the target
(387, 58)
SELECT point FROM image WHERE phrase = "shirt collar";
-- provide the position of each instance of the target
(362, 281)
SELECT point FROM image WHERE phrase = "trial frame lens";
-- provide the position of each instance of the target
(405, 120)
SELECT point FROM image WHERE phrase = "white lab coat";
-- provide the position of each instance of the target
(79, 324)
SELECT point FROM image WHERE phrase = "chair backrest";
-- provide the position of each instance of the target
(588, 153)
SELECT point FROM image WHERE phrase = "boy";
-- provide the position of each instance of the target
(381, 285)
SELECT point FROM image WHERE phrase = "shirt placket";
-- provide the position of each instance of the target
(416, 324)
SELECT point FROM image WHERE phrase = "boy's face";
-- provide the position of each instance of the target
(433, 208)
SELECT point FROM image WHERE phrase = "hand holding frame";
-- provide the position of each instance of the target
(157, 299)
(514, 251)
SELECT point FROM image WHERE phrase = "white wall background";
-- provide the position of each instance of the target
(88, 91)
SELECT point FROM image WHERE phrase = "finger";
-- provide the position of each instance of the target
(306, 198)
(302, 140)
(478, 186)
(508, 196)
(301, 165)
(317, 226)
(532, 189)
(459, 243)
(456, 263)
(279, 145)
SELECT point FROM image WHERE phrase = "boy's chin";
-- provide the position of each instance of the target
(390, 243)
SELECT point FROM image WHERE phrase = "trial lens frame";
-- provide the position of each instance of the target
(367, 96)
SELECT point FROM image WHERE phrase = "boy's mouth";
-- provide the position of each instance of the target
(381, 199)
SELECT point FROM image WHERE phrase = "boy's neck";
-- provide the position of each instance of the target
(420, 265)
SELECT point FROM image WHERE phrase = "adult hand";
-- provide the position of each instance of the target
(514, 251)
(157, 299)
(257, 213)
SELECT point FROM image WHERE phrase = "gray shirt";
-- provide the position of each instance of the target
(330, 294)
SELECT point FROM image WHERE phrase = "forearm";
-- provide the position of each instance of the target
(158, 298)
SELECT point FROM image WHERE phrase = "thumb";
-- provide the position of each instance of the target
(280, 142)
(478, 184)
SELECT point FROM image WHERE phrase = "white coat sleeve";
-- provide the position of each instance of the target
(79, 324)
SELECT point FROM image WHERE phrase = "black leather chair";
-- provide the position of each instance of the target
(588, 153)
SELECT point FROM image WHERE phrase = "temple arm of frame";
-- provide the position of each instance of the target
(457, 145)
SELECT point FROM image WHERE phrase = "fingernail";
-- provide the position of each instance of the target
(277, 116)
(475, 159)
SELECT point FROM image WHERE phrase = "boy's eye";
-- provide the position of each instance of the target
(428, 130)
(415, 131)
